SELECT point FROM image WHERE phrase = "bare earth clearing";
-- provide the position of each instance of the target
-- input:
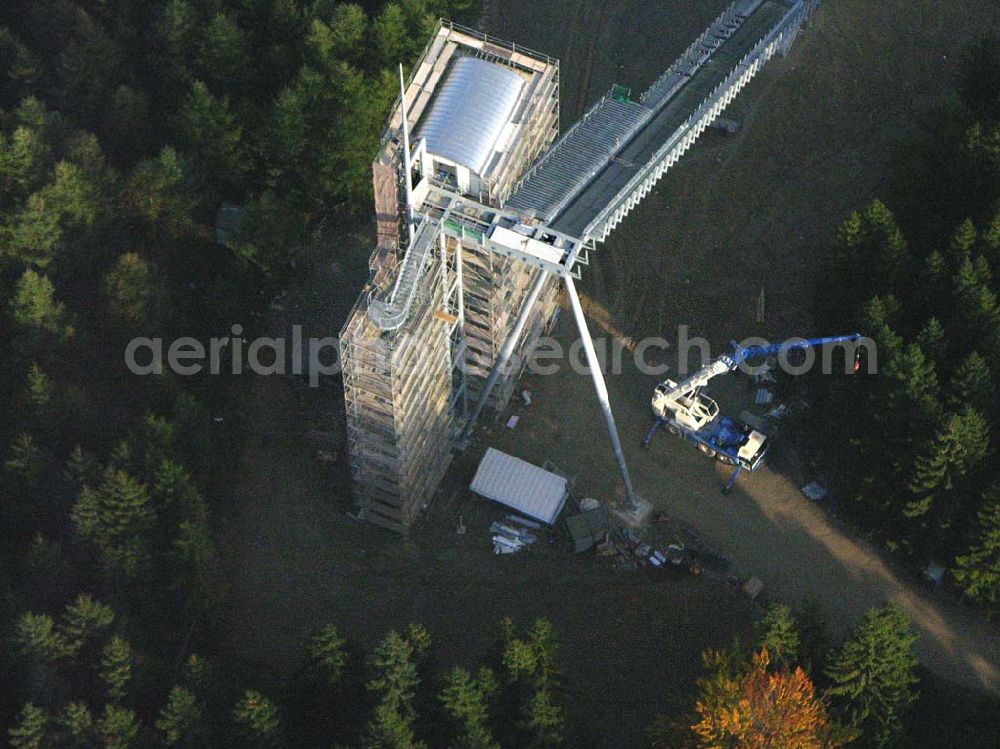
(740, 212)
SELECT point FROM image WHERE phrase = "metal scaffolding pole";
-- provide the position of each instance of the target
(505, 352)
(602, 392)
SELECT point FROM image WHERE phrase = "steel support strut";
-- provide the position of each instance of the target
(505, 353)
(602, 391)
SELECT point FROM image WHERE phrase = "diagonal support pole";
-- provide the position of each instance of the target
(602, 393)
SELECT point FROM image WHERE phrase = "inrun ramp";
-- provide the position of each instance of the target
(605, 164)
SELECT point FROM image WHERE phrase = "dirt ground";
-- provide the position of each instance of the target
(740, 212)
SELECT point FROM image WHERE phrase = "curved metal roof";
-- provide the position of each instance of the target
(469, 112)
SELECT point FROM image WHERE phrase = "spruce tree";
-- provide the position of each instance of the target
(394, 683)
(777, 631)
(874, 675)
(466, 700)
(116, 517)
(31, 729)
(78, 724)
(25, 460)
(962, 243)
(971, 384)
(83, 619)
(116, 668)
(395, 677)
(328, 650)
(931, 340)
(38, 387)
(36, 637)
(543, 721)
(958, 448)
(978, 571)
(258, 721)
(118, 727)
(180, 720)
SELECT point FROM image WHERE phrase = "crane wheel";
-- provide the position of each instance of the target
(673, 430)
(726, 460)
(707, 450)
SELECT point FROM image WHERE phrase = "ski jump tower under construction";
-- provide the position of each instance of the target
(482, 215)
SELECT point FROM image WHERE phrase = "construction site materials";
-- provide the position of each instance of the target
(526, 488)
(588, 528)
(507, 539)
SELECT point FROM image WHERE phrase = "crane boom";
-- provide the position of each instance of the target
(730, 362)
(683, 410)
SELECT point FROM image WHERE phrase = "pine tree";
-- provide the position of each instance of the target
(466, 700)
(962, 243)
(36, 637)
(81, 468)
(395, 674)
(347, 26)
(959, 447)
(147, 447)
(972, 384)
(394, 682)
(392, 38)
(258, 720)
(543, 722)
(874, 675)
(328, 650)
(224, 55)
(519, 659)
(34, 305)
(532, 676)
(978, 571)
(133, 294)
(180, 720)
(25, 459)
(25, 159)
(934, 274)
(777, 632)
(419, 638)
(116, 668)
(976, 310)
(39, 387)
(78, 723)
(543, 641)
(30, 732)
(179, 27)
(84, 618)
(116, 517)
(931, 340)
(991, 241)
(390, 730)
(212, 136)
(157, 191)
(117, 727)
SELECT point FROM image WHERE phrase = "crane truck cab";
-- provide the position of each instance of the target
(696, 417)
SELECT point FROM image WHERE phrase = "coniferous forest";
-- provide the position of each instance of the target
(917, 445)
(123, 128)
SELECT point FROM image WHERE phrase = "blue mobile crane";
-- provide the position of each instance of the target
(683, 410)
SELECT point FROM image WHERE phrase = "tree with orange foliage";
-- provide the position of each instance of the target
(752, 707)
